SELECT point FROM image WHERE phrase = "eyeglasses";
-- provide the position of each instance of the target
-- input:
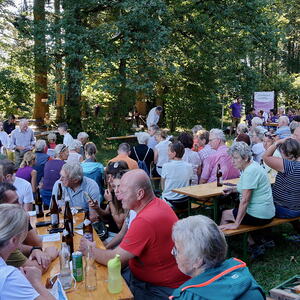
(174, 251)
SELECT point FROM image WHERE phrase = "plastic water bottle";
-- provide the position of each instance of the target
(114, 275)
(65, 275)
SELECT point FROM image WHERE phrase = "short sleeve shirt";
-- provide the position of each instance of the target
(24, 190)
(255, 178)
(149, 238)
(14, 285)
(258, 151)
(193, 158)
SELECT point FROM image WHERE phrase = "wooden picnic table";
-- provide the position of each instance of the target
(123, 137)
(80, 292)
(204, 192)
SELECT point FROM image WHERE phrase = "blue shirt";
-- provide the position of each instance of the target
(283, 132)
(78, 197)
(22, 138)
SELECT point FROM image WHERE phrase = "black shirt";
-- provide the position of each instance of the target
(141, 151)
(8, 127)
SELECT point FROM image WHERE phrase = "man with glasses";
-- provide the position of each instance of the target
(146, 247)
(217, 142)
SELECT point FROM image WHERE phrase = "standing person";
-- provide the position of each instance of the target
(146, 247)
(15, 284)
(153, 116)
(161, 151)
(22, 140)
(26, 170)
(63, 130)
(236, 109)
(10, 124)
(4, 141)
(250, 116)
(176, 173)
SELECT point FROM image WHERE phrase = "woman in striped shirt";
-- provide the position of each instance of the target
(286, 190)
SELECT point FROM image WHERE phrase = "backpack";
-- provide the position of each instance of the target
(141, 163)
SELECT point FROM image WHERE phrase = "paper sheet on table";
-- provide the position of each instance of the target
(54, 237)
(32, 213)
(80, 231)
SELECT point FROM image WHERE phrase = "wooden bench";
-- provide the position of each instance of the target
(245, 229)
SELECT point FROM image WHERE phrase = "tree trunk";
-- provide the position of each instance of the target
(40, 61)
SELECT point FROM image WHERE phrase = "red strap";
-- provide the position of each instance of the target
(242, 265)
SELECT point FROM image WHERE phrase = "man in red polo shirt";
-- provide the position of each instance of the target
(146, 247)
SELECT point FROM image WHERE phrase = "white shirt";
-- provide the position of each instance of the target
(73, 157)
(177, 174)
(24, 190)
(193, 158)
(68, 140)
(152, 118)
(258, 151)
(152, 142)
(163, 157)
(5, 139)
(14, 285)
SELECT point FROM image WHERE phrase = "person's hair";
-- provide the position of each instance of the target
(186, 139)
(296, 118)
(178, 148)
(124, 147)
(242, 127)
(257, 121)
(154, 127)
(243, 137)
(90, 148)
(260, 132)
(82, 135)
(203, 135)
(75, 145)
(290, 148)
(23, 121)
(294, 125)
(242, 149)
(8, 167)
(251, 109)
(11, 117)
(284, 119)
(29, 156)
(159, 108)
(59, 149)
(114, 168)
(196, 128)
(73, 170)
(201, 239)
(13, 221)
(40, 145)
(162, 133)
(63, 125)
(218, 133)
(4, 187)
(51, 136)
(116, 202)
(273, 111)
(142, 137)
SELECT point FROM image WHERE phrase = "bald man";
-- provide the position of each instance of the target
(146, 247)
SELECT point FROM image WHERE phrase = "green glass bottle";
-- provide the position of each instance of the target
(114, 275)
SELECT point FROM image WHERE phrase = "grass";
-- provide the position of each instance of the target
(276, 266)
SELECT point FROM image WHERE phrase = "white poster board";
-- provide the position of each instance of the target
(264, 101)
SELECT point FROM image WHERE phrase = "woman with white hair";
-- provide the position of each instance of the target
(256, 205)
(200, 251)
(256, 121)
(142, 153)
(16, 284)
(257, 139)
(74, 149)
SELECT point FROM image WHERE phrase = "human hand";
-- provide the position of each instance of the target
(41, 257)
(107, 195)
(33, 274)
(84, 244)
(52, 252)
(229, 226)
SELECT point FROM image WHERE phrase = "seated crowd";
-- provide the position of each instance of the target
(160, 255)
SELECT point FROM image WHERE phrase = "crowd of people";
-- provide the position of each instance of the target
(161, 256)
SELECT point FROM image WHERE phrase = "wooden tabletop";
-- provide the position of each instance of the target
(101, 293)
(123, 137)
(272, 124)
(207, 190)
